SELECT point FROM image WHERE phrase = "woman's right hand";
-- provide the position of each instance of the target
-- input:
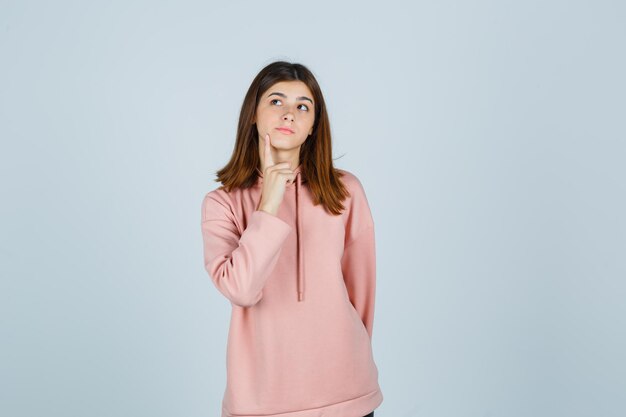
(275, 178)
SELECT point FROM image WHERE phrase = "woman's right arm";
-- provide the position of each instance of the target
(240, 263)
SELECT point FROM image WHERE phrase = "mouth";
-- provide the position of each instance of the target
(285, 130)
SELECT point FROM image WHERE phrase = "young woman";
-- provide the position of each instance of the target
(289, 241)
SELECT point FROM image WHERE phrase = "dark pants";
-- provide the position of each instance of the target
(370, 414)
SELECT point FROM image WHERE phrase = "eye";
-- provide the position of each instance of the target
(305, 106)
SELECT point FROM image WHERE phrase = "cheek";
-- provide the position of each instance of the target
(308, 125)
(267, 113)
(307, 120)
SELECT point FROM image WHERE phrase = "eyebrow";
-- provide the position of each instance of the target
(284, 96)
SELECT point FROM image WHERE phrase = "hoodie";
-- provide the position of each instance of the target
(301, 285)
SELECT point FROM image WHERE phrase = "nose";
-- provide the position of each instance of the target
(288, 116)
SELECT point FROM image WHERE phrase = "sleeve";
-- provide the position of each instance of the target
(239, 263)
(358, 263)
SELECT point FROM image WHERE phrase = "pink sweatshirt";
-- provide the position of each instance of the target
(302, 286)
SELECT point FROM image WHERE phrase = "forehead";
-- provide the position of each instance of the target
(291, 88)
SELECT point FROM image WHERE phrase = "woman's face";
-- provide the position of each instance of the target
(290, 105)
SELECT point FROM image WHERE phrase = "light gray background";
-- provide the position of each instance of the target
(489, 137)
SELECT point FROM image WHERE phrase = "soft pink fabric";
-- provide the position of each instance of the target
(302, 287)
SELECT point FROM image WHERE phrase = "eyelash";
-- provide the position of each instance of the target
(307, 107)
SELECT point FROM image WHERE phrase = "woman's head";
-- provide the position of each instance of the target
(299, 105)
(289, 105)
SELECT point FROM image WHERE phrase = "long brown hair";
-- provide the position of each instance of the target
(315, 153)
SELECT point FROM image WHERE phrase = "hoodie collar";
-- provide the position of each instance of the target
(298, 195)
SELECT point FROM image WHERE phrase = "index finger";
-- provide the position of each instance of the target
(269, 160)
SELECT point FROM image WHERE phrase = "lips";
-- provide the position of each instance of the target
(285, 130)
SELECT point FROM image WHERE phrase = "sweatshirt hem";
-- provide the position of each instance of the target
(355, 407)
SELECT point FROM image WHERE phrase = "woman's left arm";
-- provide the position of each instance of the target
(359, 273)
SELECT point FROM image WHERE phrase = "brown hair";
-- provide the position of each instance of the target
(315, 153)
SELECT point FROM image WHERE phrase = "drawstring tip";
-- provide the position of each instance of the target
(300, 296)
